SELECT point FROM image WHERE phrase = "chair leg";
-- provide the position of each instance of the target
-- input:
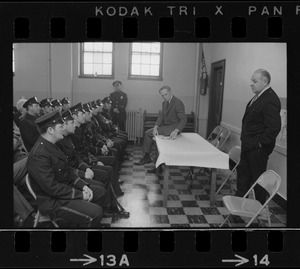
(55, 224)
(223, 185)
(36, 219)
(249, 223)
(190, 176)
(226, 220)
(268, 216)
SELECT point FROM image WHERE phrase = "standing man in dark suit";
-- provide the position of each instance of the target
(119, 103)
(171, 121)
(260, 126)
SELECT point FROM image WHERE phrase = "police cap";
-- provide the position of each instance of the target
(86, 107)
(106, 100)
(56, 102)
(67, 116)
(99, 102)
(77, 108)
(52, 118)
(45, 102)
(117, 82)
(30, 101)
(65, 100)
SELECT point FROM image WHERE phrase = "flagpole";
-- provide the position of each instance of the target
(197, 84)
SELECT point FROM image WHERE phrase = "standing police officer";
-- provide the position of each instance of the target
(119, 103)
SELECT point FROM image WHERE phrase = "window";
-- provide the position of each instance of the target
(146, 61)
(96, 59)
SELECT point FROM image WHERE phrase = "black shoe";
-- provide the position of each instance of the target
(156, 171)
(120, 181)
(152, 171)
(120, 194)
(144, 160)
(120, 212)
(107, 213)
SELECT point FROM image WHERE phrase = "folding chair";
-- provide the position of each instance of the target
(234, 155)
(224, 135)
(252, 208)
(214, 135)
(38, 216)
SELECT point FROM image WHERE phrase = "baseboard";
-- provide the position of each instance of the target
(280, 201)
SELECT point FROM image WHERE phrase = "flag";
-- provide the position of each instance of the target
(203, 76)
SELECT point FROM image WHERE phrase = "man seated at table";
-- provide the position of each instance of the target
(171, 121)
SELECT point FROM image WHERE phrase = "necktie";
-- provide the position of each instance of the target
(253, 99)
(167, 106)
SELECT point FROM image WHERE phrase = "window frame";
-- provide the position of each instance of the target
(82, 75)
(145, 77)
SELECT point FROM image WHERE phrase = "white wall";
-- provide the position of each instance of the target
(178, 72)
(43, 70)
(31, 70)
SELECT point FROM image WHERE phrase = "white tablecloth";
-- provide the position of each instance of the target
(190, 149)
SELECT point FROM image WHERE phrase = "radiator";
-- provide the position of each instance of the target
(134, 125)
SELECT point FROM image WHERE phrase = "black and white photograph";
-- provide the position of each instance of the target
(149, 135)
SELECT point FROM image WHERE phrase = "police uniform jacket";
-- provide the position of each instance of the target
(81, 146)
(103, 123)
(52, 179)
(98, 129)
(119, 100)
(107, 117)
(29, 131)
(94, 142)
(67, 147)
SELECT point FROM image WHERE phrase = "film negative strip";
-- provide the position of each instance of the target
(185, 227)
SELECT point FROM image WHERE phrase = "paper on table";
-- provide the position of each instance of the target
(190, 149)
(161, 136)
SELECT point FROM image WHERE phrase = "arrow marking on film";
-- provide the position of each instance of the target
(88, 260)
(241, 260)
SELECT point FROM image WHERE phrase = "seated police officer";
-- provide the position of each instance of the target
(46, 106)
(90, 174)
(28, 129)
(65, 104)
(56, 104)
(60, 191)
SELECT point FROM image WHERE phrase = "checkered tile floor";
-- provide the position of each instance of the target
(186, 208)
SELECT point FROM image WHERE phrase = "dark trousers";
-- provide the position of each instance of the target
(113, 176)
(102, 180)
(119, 119)
(252, 164)
(21, 206)
(82, 213)
(148, 137)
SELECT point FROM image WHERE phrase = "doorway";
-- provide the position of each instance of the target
(216, 95)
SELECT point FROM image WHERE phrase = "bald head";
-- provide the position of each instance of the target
(260, 80)
(264, 74)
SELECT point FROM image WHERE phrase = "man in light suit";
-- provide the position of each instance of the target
(260, 126)
(171, 121)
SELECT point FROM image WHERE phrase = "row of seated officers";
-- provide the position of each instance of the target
(74, 157)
